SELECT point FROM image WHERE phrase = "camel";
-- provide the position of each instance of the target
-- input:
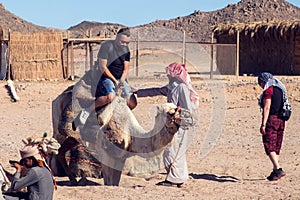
(79, 162)
(47, 145)
(110, 135)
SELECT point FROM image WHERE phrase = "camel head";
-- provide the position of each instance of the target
(47, 145)
(174, 117)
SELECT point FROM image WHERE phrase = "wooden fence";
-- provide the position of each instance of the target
(49, 56)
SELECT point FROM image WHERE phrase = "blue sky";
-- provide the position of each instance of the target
(66, 13)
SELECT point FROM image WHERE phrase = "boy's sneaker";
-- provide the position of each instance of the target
(280, 173)
(276, 174)
(273, 176)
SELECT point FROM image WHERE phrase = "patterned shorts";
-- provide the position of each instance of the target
(274, 134)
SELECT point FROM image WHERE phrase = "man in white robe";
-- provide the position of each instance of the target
(180, 92)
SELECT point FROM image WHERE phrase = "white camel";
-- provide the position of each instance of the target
(111, 135)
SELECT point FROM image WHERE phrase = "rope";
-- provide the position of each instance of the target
(184, 114)
(172, 163)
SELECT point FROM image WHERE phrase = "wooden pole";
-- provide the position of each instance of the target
(8, 58)
(137, 54)
(87, 51)
(212, 56)
(91, 52)
(91, 55)
(68, 57)
(237, 65)
(87, 45)
(72, 61)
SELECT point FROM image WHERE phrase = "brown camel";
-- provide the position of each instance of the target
(110, 135)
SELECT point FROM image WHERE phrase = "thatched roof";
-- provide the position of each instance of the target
(282, 29)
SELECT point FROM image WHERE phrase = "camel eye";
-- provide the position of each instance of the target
(172, 112)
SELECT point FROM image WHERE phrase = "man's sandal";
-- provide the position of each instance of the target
(166, 183)
(181, 185)
(170, 184)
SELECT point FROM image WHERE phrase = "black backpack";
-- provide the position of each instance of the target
(286, 110)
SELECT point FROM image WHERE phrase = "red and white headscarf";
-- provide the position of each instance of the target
(178, 71)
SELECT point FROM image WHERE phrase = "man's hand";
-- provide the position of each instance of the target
(133, 90)
(263, 129)
(121, 83)
(16, 165)
(116, 83)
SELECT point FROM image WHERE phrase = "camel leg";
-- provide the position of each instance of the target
(112, 161)
(111, 176)
(67, 145)
(82, 181)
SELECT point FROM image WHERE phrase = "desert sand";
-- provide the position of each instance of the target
(235, 168)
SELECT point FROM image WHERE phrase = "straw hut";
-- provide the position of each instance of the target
(35, 56)
(263, 46)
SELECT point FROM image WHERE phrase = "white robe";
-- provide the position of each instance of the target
(174, 156)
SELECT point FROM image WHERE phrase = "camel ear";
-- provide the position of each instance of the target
(171, 105)
(158, 109)
(169, 108)
(25, 141)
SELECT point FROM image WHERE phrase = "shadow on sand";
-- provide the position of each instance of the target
(86, 183)
(212, 177)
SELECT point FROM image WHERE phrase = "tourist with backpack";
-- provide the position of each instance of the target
(272, 124)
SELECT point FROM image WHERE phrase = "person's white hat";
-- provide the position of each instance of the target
(29, 151)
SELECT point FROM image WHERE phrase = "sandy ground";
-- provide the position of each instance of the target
(235, 168)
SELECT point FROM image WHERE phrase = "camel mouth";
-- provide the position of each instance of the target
(183, 118)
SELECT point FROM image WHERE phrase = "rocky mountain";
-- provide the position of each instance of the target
(87, 29)
(196, 25)
(9, 21)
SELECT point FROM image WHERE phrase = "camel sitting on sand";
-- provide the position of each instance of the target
(110, 136)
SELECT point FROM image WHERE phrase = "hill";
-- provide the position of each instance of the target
(96, 29)
(9, 21)
(197, 25)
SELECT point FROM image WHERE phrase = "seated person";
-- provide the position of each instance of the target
(38, 178)
(113, 60)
